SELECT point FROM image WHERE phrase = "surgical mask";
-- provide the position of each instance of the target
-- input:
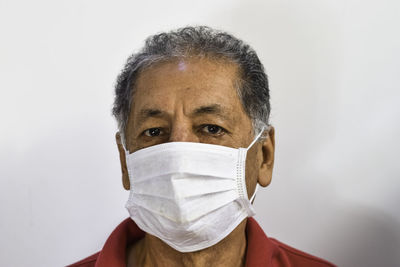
(190, 195)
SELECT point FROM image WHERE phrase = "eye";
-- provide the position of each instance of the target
(212, 129)
(153, 132)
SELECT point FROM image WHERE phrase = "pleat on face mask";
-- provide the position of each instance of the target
(190, 195)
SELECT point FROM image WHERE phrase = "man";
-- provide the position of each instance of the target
(194, 141)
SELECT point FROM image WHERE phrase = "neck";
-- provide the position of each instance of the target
(151, 251)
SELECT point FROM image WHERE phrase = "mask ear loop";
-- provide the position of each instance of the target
(256, 139)
(247, 149)
(254, 194)
(125, 149)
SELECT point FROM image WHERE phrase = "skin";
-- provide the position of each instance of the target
(194, 100)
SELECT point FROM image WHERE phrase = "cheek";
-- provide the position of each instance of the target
(251, 169)
(251, 172)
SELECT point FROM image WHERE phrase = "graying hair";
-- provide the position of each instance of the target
(201, 41)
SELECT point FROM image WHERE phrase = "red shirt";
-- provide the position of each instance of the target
(261, 250)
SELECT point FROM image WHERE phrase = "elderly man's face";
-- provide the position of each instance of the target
(195, 100)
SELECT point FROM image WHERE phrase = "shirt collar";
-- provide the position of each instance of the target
(259, 250)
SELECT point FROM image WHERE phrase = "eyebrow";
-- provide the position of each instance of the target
(144, 114)
(214, 109)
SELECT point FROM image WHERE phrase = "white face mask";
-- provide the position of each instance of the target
(190, 195)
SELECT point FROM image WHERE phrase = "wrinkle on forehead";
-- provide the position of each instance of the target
(191, 79)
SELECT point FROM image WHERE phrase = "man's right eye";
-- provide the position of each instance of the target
(152, 132)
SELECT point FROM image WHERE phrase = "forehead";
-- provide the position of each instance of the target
(187, 82)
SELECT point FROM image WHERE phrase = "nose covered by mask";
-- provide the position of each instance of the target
(190, 195)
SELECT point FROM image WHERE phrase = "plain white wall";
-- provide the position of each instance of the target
(334, 76)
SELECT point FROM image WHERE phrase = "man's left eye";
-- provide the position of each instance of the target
(212, 129)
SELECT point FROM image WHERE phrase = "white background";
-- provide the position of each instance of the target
(334, 69)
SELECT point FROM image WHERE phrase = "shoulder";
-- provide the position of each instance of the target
(265, 251)
(299, 258)
(86, 262)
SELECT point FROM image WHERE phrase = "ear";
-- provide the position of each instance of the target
(267, 160)
(122, 158)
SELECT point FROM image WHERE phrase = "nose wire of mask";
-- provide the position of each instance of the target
(190, 195)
